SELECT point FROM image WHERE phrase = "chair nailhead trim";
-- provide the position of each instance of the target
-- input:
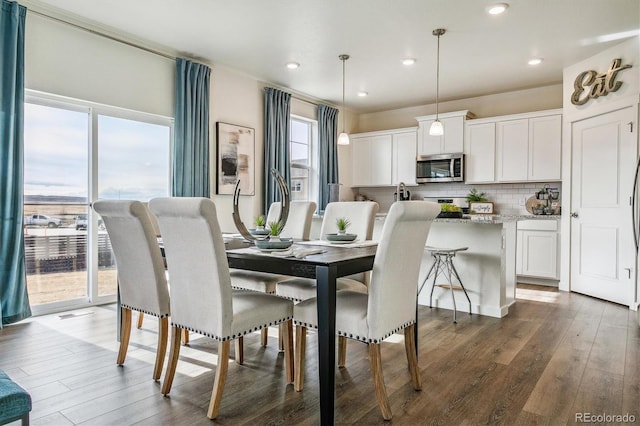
(360, 338)
(250, 289)
(155, 314)
(233, 336)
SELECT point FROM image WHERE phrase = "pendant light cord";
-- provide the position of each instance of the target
(343, 58)
(438, 76)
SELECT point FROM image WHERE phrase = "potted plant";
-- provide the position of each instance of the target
(343, 223)
(476, 197)
(449, 211)
(260, 222)
(275, 228)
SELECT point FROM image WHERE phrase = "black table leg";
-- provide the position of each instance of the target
(326, 288)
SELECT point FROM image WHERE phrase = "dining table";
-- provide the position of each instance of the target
(327, 263)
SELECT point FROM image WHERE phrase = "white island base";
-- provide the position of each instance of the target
(487, 269)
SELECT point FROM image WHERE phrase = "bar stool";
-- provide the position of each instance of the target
(443, 263)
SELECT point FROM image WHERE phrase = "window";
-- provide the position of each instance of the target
(304, 159)
(74, 153)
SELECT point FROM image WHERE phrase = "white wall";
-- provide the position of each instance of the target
(538, 99)
(627, 95)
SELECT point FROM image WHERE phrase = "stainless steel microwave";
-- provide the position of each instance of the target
(440, 168)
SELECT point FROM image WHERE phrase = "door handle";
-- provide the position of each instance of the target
(574, 214)
(628, 271)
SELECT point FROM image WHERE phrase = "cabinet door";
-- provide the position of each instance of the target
(361, 161)
(429, 145)
(480, 153)
(539, 254)
(519, 252)
(512, 150)
(545, 147)
(453, 138)
(381, 155)
(404, 158)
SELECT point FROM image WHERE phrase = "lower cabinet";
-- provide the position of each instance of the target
(537, 249)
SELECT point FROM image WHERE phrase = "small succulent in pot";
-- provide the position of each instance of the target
(275, 228)
(342, 223)
(260, 222)
(476, 197)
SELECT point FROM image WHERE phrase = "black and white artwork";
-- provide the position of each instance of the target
(236, 158)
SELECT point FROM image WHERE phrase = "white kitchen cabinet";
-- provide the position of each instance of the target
(537, 249)
(480, 153)
(384, 158)
(526, 148)
(452, 140)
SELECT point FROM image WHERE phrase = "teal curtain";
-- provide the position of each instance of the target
(277, 111)
(191, 130)
(14, 301)
(328, 152)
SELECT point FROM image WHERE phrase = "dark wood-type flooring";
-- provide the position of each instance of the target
(556, 354)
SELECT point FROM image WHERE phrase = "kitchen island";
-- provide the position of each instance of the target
(487, 268)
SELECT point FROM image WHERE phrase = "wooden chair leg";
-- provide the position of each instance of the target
(221, 376)
(301, 345)
(185, 337)
(280, 339)
(163, 335)
(174, 352)
(240, 350)
(125, 332)
(287, 337)
(378, 380)
(342, 351)
(264, 336)
(412, 359)
(140, 318)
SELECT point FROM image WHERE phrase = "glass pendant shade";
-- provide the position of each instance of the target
(343, 139)
(436, 129)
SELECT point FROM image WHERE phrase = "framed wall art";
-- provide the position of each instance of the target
(236, 158)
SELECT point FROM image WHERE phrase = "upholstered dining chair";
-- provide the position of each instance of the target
(202, 299)
(141, 273)
(298, 226)
(362, 215)
(390, 303)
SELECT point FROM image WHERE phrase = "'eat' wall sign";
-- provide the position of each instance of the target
(601, 84)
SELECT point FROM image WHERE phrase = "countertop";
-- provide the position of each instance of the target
(489, 219)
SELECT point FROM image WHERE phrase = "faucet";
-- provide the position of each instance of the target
(400, 191)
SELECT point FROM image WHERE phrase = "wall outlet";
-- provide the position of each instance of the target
(522, 201)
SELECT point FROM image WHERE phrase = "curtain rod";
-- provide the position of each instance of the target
(101, 34)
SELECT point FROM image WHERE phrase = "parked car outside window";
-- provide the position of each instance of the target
(81, 222)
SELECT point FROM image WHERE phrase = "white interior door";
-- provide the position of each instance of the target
(604, 152)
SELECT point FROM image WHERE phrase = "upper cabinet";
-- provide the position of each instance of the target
(524, 148)
(384, 158)
(452, 141)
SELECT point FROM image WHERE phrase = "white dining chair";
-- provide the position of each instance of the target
(298, 226)
(142, 282)
(389, 306)
(202, 299)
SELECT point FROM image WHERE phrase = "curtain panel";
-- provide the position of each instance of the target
(14, 301)
(328, 152)
(191, 163)
(277, 111)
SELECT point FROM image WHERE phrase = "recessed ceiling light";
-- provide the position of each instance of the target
(363, 94)
(535, 61)
(497, 8)
(408, 61)
(292, 65)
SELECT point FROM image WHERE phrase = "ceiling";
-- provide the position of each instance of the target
(479, 54)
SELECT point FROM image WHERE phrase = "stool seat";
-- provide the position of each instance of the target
(15, 402)
(443, 264)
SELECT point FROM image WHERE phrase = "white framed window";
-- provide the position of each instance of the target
(303, 148)
(76, 152)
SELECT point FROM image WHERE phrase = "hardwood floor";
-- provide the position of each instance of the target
(555, 354)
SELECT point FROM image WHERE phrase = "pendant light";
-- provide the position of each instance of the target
(343, 138)
(436, 128)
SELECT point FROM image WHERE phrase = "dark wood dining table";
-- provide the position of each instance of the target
(326, 267)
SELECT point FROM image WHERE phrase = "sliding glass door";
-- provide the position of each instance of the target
(76, 153)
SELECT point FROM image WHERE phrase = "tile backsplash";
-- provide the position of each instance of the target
(507, 198)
